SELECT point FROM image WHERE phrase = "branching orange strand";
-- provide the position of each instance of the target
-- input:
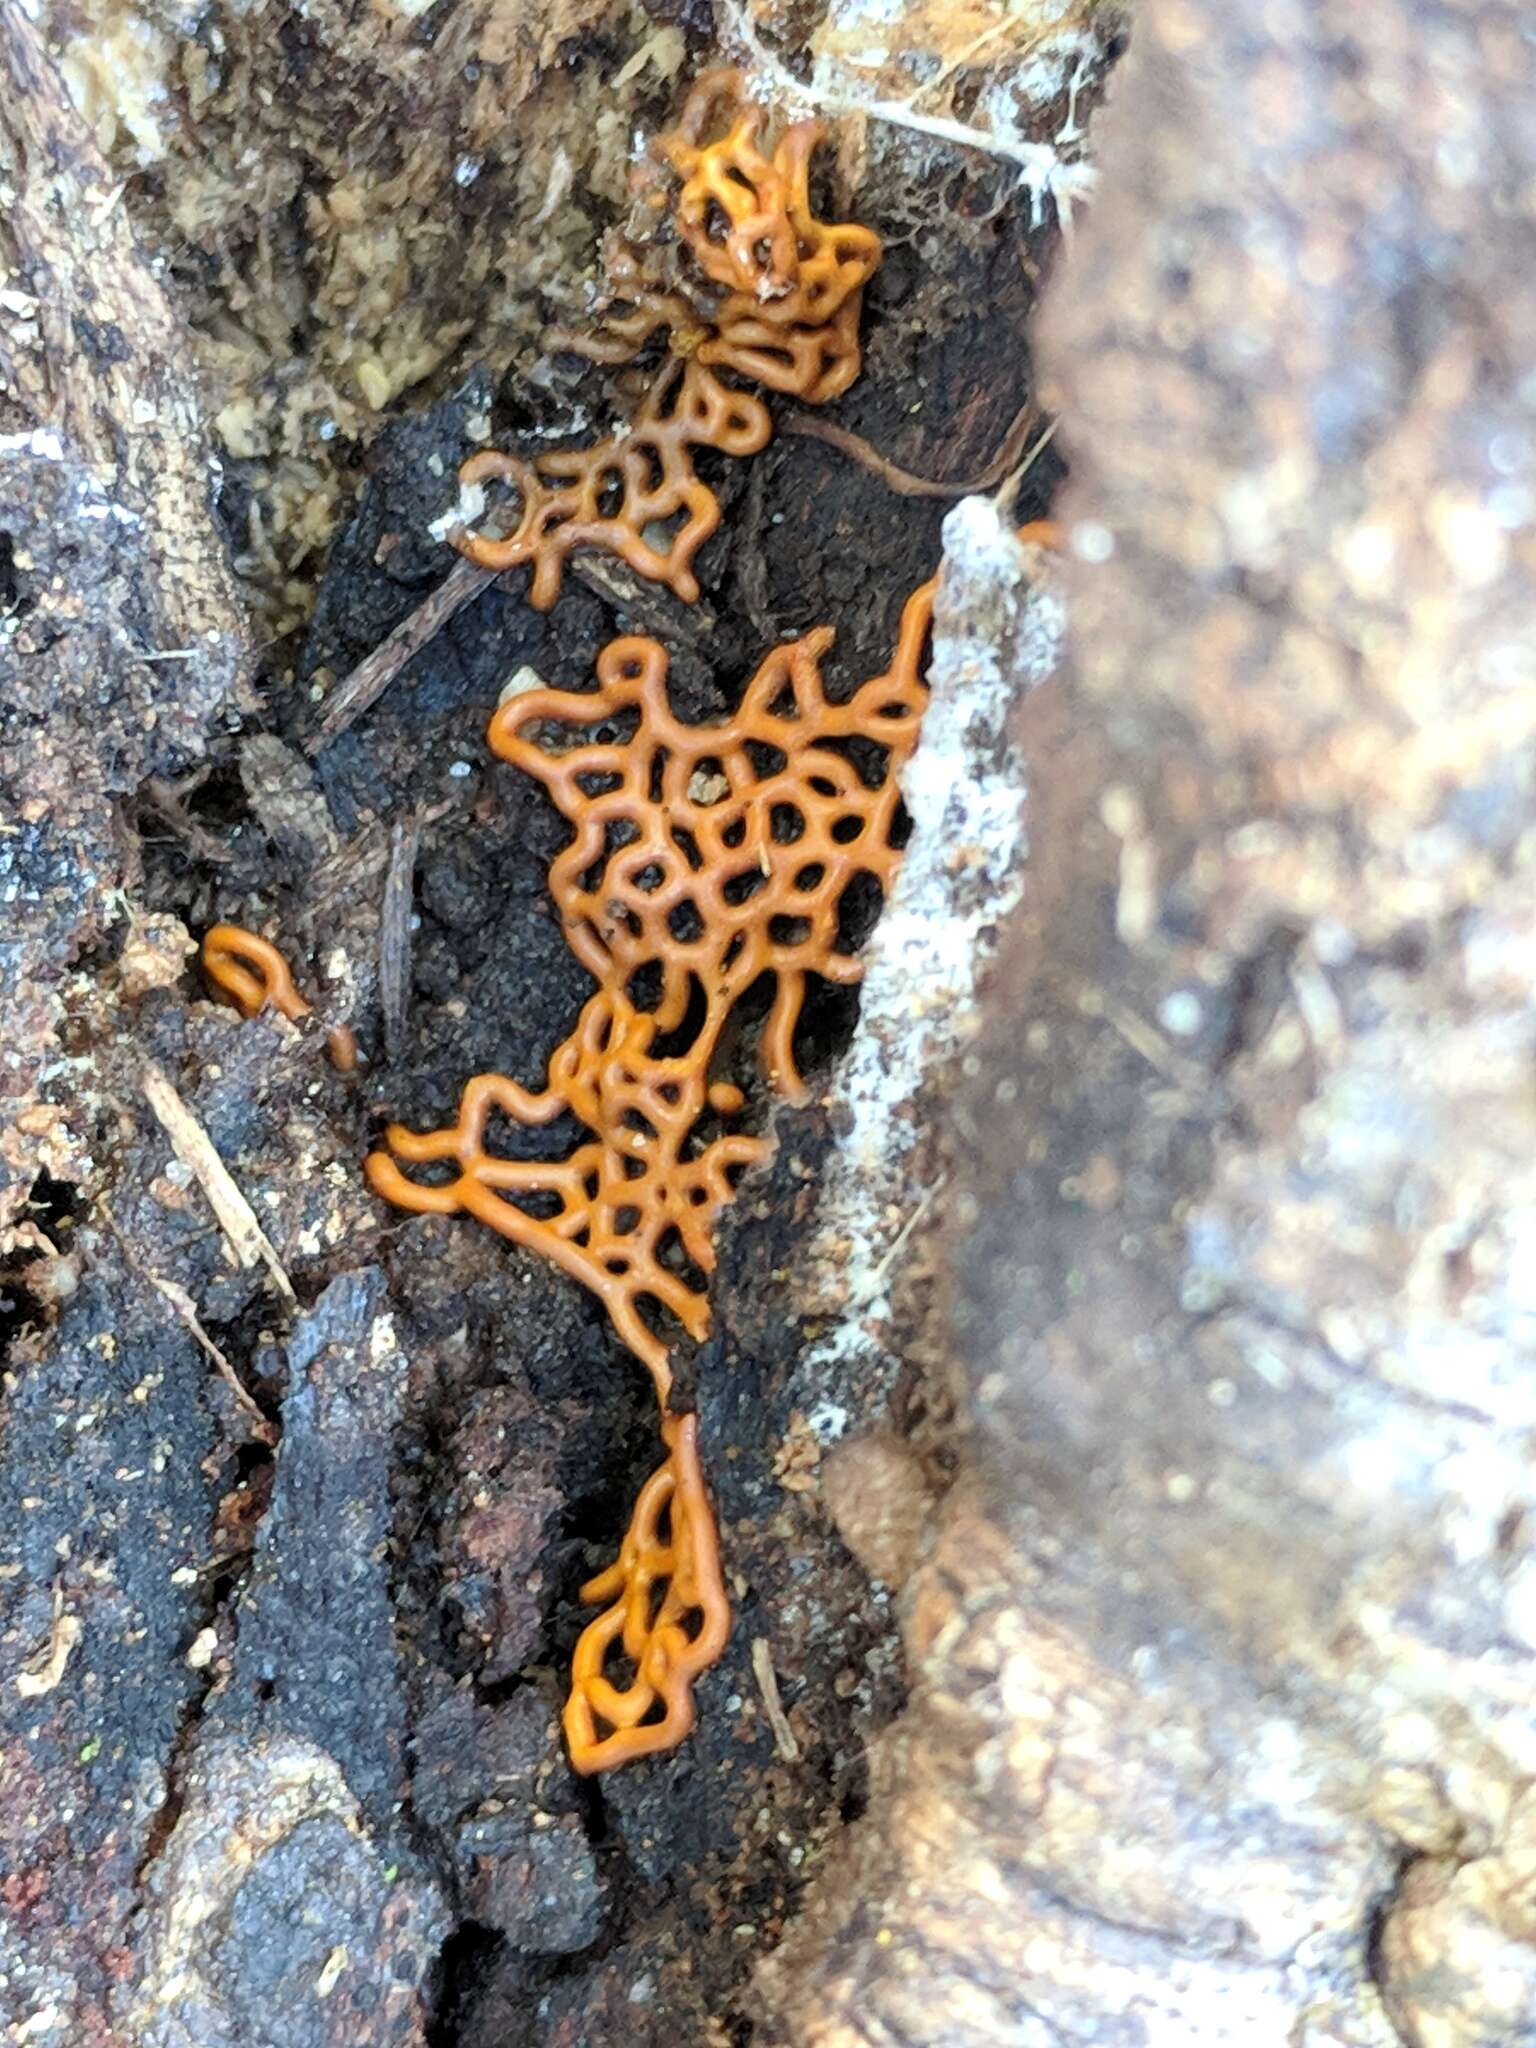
(708, 857)
(668, 1649)
(789, 321)
(252, 973)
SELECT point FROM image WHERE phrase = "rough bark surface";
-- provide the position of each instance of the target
(298, 1493)
(1220, 1601)
(122, 639)
(1223, 1653)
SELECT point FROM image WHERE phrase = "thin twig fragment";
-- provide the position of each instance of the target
(45, 1671)
(375, 672)
(903, 481)
(185, 1309)
(195, 1149)
(773, 1706)
(395, 930)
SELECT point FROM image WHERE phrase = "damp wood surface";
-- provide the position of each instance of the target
(1133, 1635)
(367, 1459)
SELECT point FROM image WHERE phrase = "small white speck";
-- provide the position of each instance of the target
(201, 1648)
(1457, 162)
(519, 683)
(828, 1421)
(1181, 1013)
(459, 769)
(1333, 943)
(42, 442)
(1092, 541)
(470, 506)
(467, 169)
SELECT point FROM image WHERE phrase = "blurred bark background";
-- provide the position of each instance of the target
(1188, 1463)
(1223, 1720)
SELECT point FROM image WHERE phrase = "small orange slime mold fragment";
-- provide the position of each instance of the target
(252, 973)
(669, 1648)
(733, 210)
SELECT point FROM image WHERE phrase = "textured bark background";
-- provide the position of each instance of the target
(1174, 1400)
(296, 1493)
(120, 627)
(1224, 1654)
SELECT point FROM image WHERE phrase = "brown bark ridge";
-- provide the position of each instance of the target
(1222, 1654)
(121, 636)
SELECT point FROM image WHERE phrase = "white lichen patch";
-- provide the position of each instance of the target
(42, 444)
(998, 632)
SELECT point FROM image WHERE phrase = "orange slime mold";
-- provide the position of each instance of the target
(253, 973)
(710, 855)
(789, 320)
(669, 1649)
(703, 858)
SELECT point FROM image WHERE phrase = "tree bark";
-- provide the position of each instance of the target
(122, 638)
(1223, 1652)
